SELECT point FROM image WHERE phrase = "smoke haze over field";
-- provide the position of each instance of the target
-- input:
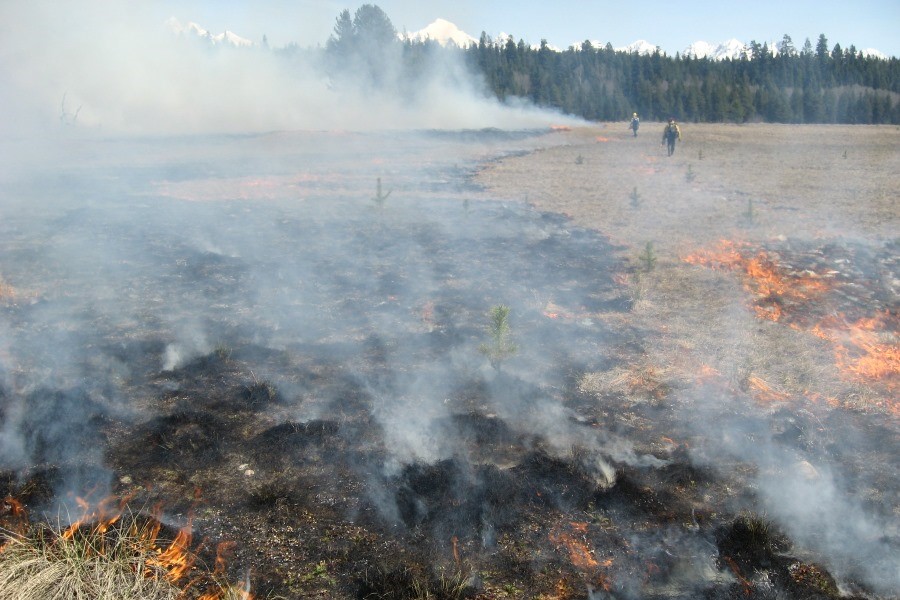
(132, 266)
(114, 69)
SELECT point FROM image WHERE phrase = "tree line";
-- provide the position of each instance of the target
(818, 84)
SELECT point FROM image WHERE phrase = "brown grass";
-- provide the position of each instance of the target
(752, 183)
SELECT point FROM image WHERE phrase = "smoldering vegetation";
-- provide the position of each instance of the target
(245, 327)
(287, 335)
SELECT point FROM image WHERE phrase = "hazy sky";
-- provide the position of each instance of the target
(115, 66)
(671, 25)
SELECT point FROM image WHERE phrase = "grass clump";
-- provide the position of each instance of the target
(752, 542)
(93, 563)
(119, 556)
(407, 583)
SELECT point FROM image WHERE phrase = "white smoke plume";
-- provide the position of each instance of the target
(111, 68)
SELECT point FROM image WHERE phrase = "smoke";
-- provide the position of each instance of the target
(103, 67)
(803, 479)
(133, 255)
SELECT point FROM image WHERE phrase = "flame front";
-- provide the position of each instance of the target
(865, 350)
(580, 554)
(177, 559)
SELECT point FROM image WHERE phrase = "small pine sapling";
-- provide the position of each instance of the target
(690, 175)
(500, 346)
(579, 160)
(749, 214)
(648, 257)
(635, 198)
(380, 196)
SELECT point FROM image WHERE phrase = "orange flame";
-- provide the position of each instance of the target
(764, 391)
(177, 559)
(102, 516)
(868, 350)
(865, 351)
(13, 518)
(764, 277)
(748, 587)
(580, 555)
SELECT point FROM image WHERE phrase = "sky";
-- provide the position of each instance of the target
(671, 25)
(115, 65)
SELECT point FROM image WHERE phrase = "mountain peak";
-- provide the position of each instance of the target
(639, 47)
(192, 29)
(443, 32)
(733, 49)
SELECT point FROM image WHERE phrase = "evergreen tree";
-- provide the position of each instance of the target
(777, 84)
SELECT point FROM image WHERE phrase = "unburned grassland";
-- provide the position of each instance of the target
(757, 186)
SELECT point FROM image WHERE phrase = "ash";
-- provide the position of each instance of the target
(280, 334)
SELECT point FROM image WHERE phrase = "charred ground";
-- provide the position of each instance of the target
(298, 369)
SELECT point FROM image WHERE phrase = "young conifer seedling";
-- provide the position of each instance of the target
(648, 257)
(500, 347)
(635, 198)
(380, 196)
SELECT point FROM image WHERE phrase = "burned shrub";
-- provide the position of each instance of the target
(752, 542)
(292, 434)
(548, 480)
(408, 583)
(272, 494)
(260, 394)
(442, 490)
(811, 581)
(61, 425)
(193, 438)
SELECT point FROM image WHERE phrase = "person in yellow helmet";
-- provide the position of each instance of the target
(670, 134)
(635, 123)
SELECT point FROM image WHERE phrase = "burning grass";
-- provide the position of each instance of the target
(118, 555)
(112, 561)
(305, 379)
(866, 349)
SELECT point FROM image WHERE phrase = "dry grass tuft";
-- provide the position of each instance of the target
(93, 564)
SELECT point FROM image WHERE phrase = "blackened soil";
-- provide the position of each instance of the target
(309, 380)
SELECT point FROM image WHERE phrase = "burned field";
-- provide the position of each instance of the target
(282, 343)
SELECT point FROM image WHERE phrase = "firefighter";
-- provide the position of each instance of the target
(670, 134)
(635, 123)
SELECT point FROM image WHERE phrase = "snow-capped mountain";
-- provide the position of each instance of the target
(733, 49)
(443, 32)
(873, 53)
(639, 46)
(192, 29)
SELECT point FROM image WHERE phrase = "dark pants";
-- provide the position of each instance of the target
(670, 143)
